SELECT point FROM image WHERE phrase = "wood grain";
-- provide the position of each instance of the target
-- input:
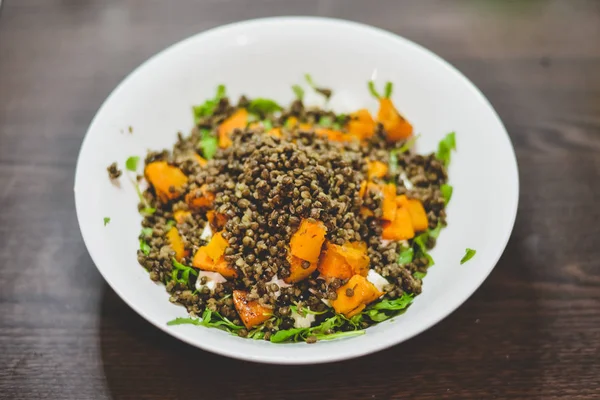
(532, 331)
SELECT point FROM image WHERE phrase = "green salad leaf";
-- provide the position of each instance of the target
(181, 273)
(393, 163)
(263, 106)
(445, 147)
(211, 319)
(406, 256)
(372, 90)
(147, 232)
(208, 107)
(446, 192)
(298, 91)
(387, 91)
(469, 253)
(408, 144)
(326, 121)
(268, 125)
(131, 163)
(106, 220)
(144, 247)
(208, 144)
(419, 274)
(323, 91)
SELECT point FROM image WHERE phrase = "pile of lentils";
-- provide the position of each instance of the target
(266, 185)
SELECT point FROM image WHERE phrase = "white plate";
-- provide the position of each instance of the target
(263, 58)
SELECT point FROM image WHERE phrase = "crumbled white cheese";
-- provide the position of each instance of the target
(385, 242)
(407, 183)
(302, 322)
(212, 278)
(377, 280)
(206, 233)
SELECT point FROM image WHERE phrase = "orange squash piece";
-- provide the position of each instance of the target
(395, 126)
(333, 264)
(162, 177)
(202, 261)
(305, 126)
(181, 215)
(400, 228)
(291, 122)
(200, 198)
(388, 204)
(333, 135)
(216, 220)
(211, 257)
(297, 273)
(363, 293)
(306, 243)
(377, 169)
(344, 261)
(237, 120)
(251, 312)
(361, 124)
(200, 160)
(176, 243)
(275, 132)
(418, 216)
(215, 248)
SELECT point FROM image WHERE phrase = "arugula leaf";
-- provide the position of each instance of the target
(209, 144)
(394, 305)
(268, 125)
(298, 91)
(106, 220)
(131, 163)
(434, 233)
(374, 93)
(323, 91)
(393, 163)
(326, 121)
(406, 256)
(209, 319)
(446, 145)
(377, 316)
(208, 107)
(338, 335)
(387, 91)
(147, 232)
(446, 192)
(185, 272)
(305, 310)
(421, 243)
(284, 335)
(408, 144)
(263, 106)
(310, 81)
(148, 210)
(419, 274)
(469, 253)
(185, 321)
(144, 247)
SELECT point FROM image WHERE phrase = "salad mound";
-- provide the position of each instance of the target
(292, 224)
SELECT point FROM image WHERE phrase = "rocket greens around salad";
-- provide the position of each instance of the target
(292, 223)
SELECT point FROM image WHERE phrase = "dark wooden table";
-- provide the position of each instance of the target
(532, 331)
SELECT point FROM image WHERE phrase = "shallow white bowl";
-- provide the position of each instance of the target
(263, 58)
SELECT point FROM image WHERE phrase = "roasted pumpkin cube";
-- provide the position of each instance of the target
(251, 313)
(167, 180)
(354, 296)
(307, 241)
(400, 228)
(176, 243)
(238, 120)
(297, 270)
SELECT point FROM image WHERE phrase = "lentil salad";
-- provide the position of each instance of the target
(292, 224)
